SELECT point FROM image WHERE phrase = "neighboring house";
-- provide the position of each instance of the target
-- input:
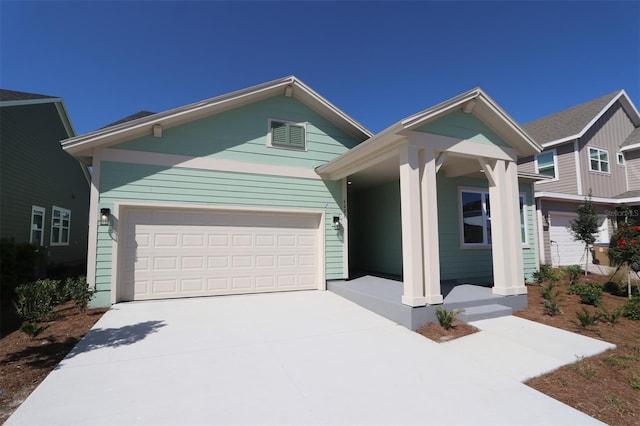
(594, 146)
(45, 191)
(273, 188)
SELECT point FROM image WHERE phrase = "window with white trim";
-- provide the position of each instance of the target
(60, 226)
(285, 134)
(546, 164)
(36, 235)
(620, 158)
(476, 218)
(598, 160)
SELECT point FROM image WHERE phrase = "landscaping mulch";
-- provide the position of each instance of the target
(606, 386)
(26, 361)
(438, 333)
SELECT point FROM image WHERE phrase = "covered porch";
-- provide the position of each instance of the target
(383, 296)
(426, 164)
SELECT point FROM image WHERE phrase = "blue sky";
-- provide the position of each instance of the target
(377, 61)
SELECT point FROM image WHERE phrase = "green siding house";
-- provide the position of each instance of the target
(45, 191)
(273, 188)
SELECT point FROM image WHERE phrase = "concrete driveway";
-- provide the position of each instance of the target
(289, 358)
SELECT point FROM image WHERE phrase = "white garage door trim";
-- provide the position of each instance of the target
(602, 237)
(121, 208)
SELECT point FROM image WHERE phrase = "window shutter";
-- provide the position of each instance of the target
(296, 136)
(278, 133)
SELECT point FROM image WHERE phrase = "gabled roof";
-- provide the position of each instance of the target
(632, 141)
(573, 123)
(81, 146)
(13, 95)
(139, 114)
(475, 101)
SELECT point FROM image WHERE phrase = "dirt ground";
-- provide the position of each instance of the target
(606, 387)
(26, 361)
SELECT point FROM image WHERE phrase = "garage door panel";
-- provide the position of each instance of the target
(185, 254)
(564, 249)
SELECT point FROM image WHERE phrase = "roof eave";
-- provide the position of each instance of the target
(143, 126)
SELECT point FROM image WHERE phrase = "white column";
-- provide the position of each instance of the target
(430, 238)
(506, 242)
(411, 226)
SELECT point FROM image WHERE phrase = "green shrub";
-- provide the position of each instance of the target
(614, 288)
(590, 294)
(631, 309)
(37, 300)
(79, 292)
(33, 329)
(586, 318)
(552, 307)
(610, 317)
(574, 272)
(447, 318)
(546, 273)
(549, 291)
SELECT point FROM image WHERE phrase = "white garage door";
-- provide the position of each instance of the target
(185, 253)
(564, 250)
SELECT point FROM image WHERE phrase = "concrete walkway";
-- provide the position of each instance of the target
(298, 358)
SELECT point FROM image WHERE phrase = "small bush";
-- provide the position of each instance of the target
(610, 317)
(79, 291)
(590, 294)
(614, 288)
(37, 300)
(33, 329)
(586, 318)
(574, 272)
(546, 273)
(551, 307)
(447, 318)
(631, 309)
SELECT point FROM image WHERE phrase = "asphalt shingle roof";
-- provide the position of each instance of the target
(633, 139)
(131, 117)
(13, 95)
(566, 123)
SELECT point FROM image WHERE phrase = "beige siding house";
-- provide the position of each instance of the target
(592, 148)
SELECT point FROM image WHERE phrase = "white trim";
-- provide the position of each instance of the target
(576, 158)
(29, 102)
(556, 170)
(205, 163)
(600, 162)
(571, 197)
(92, 249)
(120, 206)
(293, 123)
(540, 229)
(630, 147)
(618, 156)
(43, 212)
(345, 228)
(80, 145)
(59, 243)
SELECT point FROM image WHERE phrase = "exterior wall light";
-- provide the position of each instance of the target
(336, 222)
(105, 217)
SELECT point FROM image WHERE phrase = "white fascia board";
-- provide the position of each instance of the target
(571, 197)
(630, 147)
(180, 115)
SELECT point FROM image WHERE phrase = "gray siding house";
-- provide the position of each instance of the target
(594, 146)
(44, 191)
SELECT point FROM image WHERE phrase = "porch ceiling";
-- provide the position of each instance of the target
(389, 169)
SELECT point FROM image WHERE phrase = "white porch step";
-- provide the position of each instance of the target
(475, 313)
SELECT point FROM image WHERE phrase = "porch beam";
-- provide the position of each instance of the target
(430, 237)
(412, 255)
